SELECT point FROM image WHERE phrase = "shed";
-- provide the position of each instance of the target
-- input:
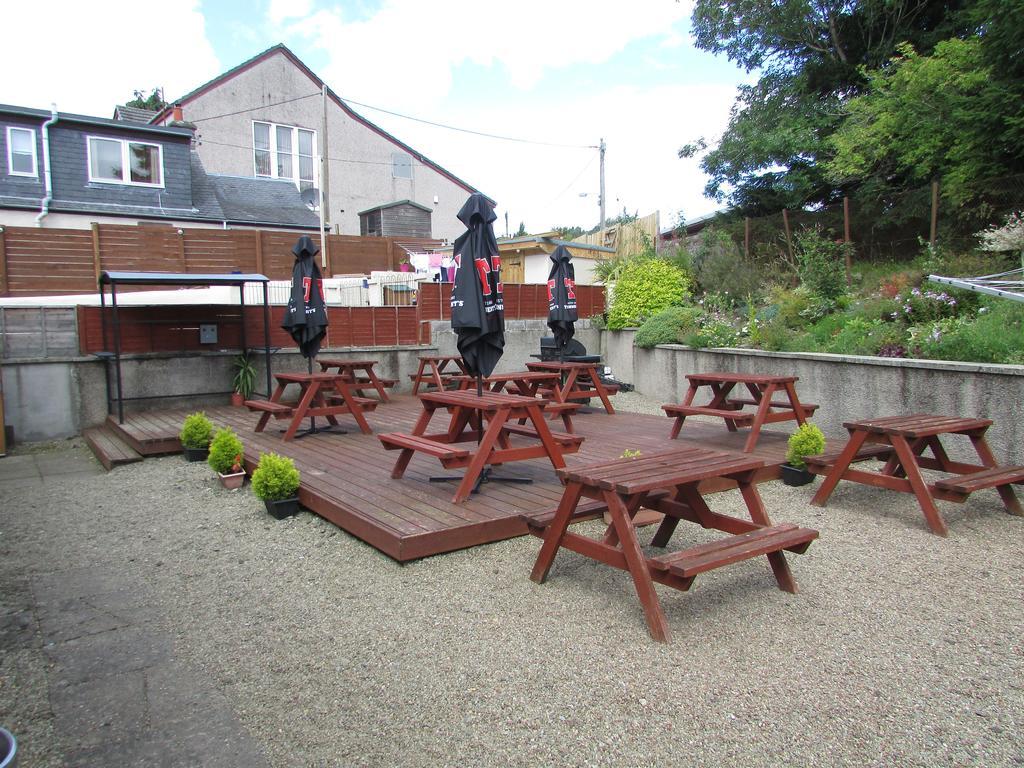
(403, 218)
(526, 259)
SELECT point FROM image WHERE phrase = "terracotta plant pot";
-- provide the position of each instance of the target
(282, 508)
(237, 400)
(232, 480)
(794, 477)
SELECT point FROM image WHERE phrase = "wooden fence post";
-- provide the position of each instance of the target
(3, 274)
(846, 239)
(181, 249)
(259, 251)
(789, 236)
(97, 259)
(935, 213)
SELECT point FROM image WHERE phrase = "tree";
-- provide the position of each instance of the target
(569, 233)
(923, 117)
(154, 102)
(811, 56)
(521, 232)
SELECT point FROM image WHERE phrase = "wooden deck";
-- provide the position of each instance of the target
(346, 478)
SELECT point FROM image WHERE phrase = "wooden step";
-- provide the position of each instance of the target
(733, 549)
(110, 449)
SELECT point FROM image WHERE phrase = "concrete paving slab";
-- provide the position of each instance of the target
(200, 750)
(96, 712)
(62, 585)
(78, 461)
(17, 630)
(18, 467)
(20, 482)
(75, 618)
(108, 653)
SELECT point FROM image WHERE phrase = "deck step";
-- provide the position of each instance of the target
(110, 450)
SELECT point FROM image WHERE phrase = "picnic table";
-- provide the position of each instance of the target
(321, 394)
(498, 412)
(360, 374)
(901, 442)
(437, 370)
(669, 483)
(544, 384)
(581, 381)
(761, 394)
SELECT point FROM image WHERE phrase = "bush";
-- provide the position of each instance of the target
(720, 268)
(713, 333)
(275, 478)
(859, 336)
(994, 335)
(644, 288)
(225, 451)
(808, 440)
(821, 264)
(667, 327)
(196, 430)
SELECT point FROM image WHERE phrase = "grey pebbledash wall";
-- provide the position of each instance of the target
(847, 387)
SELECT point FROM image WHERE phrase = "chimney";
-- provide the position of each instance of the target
(176, 114)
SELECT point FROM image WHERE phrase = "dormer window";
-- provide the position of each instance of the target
(119, 161)
(21, 152)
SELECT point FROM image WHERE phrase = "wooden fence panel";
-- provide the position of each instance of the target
(352, 255)
(220, 251)
(46, 262)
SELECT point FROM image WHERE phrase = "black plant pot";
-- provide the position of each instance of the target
(196, 454)
(282, 508)
(793, 476)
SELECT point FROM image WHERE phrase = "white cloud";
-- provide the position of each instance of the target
(282, 10)
(88, 57)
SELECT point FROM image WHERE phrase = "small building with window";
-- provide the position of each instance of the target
(67, 170)
(403, 218)
(272, 117)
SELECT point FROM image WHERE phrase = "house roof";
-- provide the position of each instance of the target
(396, 203)
(68, 117)
(128, 114)
(283, 50)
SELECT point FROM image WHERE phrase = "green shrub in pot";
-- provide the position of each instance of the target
(224, 450)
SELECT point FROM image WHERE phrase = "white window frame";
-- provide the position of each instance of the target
(295, 177)
(10, 153)
(126, 167)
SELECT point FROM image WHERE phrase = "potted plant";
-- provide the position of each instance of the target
(807, 440)
(244, 379)
(276, 481)
(226, 458)
(195, 435)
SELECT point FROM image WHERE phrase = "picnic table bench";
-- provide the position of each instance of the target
(543, 384)
(668, 483)
(321, 394)
(901, 442)
(581, 382)
(762, 390)
(438, 371)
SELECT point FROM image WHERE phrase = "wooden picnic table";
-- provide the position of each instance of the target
(360, 374)
(467, 410)
(544, 384)
(315, 390)
(437, 370)
(761, 394)
(901, 442)
(581, 381)
(669, 483)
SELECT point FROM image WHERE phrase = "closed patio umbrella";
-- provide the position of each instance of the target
(562, 314)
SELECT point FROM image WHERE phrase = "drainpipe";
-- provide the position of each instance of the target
(46, 166)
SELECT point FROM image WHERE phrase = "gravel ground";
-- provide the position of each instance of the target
(902, 648)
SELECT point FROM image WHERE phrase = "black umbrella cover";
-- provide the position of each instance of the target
(306, 316)
(562, 314)
(478, 309)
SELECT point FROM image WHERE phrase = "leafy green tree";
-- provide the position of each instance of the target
(521, 232)
(569, 233)
(810, 56)
(154, 102)
(923, 117)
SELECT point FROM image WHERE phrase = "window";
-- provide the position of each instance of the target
(401, 165)
(284, 152)
(118, 161)
(21, 151)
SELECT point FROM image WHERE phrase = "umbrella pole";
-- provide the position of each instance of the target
(313, 430)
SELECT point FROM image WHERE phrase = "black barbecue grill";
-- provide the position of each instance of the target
(575, 352)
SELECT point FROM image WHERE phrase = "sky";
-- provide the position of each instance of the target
(558, 76)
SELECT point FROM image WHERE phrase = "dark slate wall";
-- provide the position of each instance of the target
(406, 221)
(70, 169)
(21, 186)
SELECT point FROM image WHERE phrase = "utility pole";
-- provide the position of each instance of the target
(325, 182)
(600, 199)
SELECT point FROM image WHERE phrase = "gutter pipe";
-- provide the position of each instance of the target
(46, 167)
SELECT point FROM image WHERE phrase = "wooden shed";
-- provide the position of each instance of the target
(403, 218)
(526, 259)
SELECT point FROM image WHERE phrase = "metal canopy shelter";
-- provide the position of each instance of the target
(115, 279)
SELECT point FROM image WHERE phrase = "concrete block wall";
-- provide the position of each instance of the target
(847, 387)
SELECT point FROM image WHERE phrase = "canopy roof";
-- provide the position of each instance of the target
(177, 278)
